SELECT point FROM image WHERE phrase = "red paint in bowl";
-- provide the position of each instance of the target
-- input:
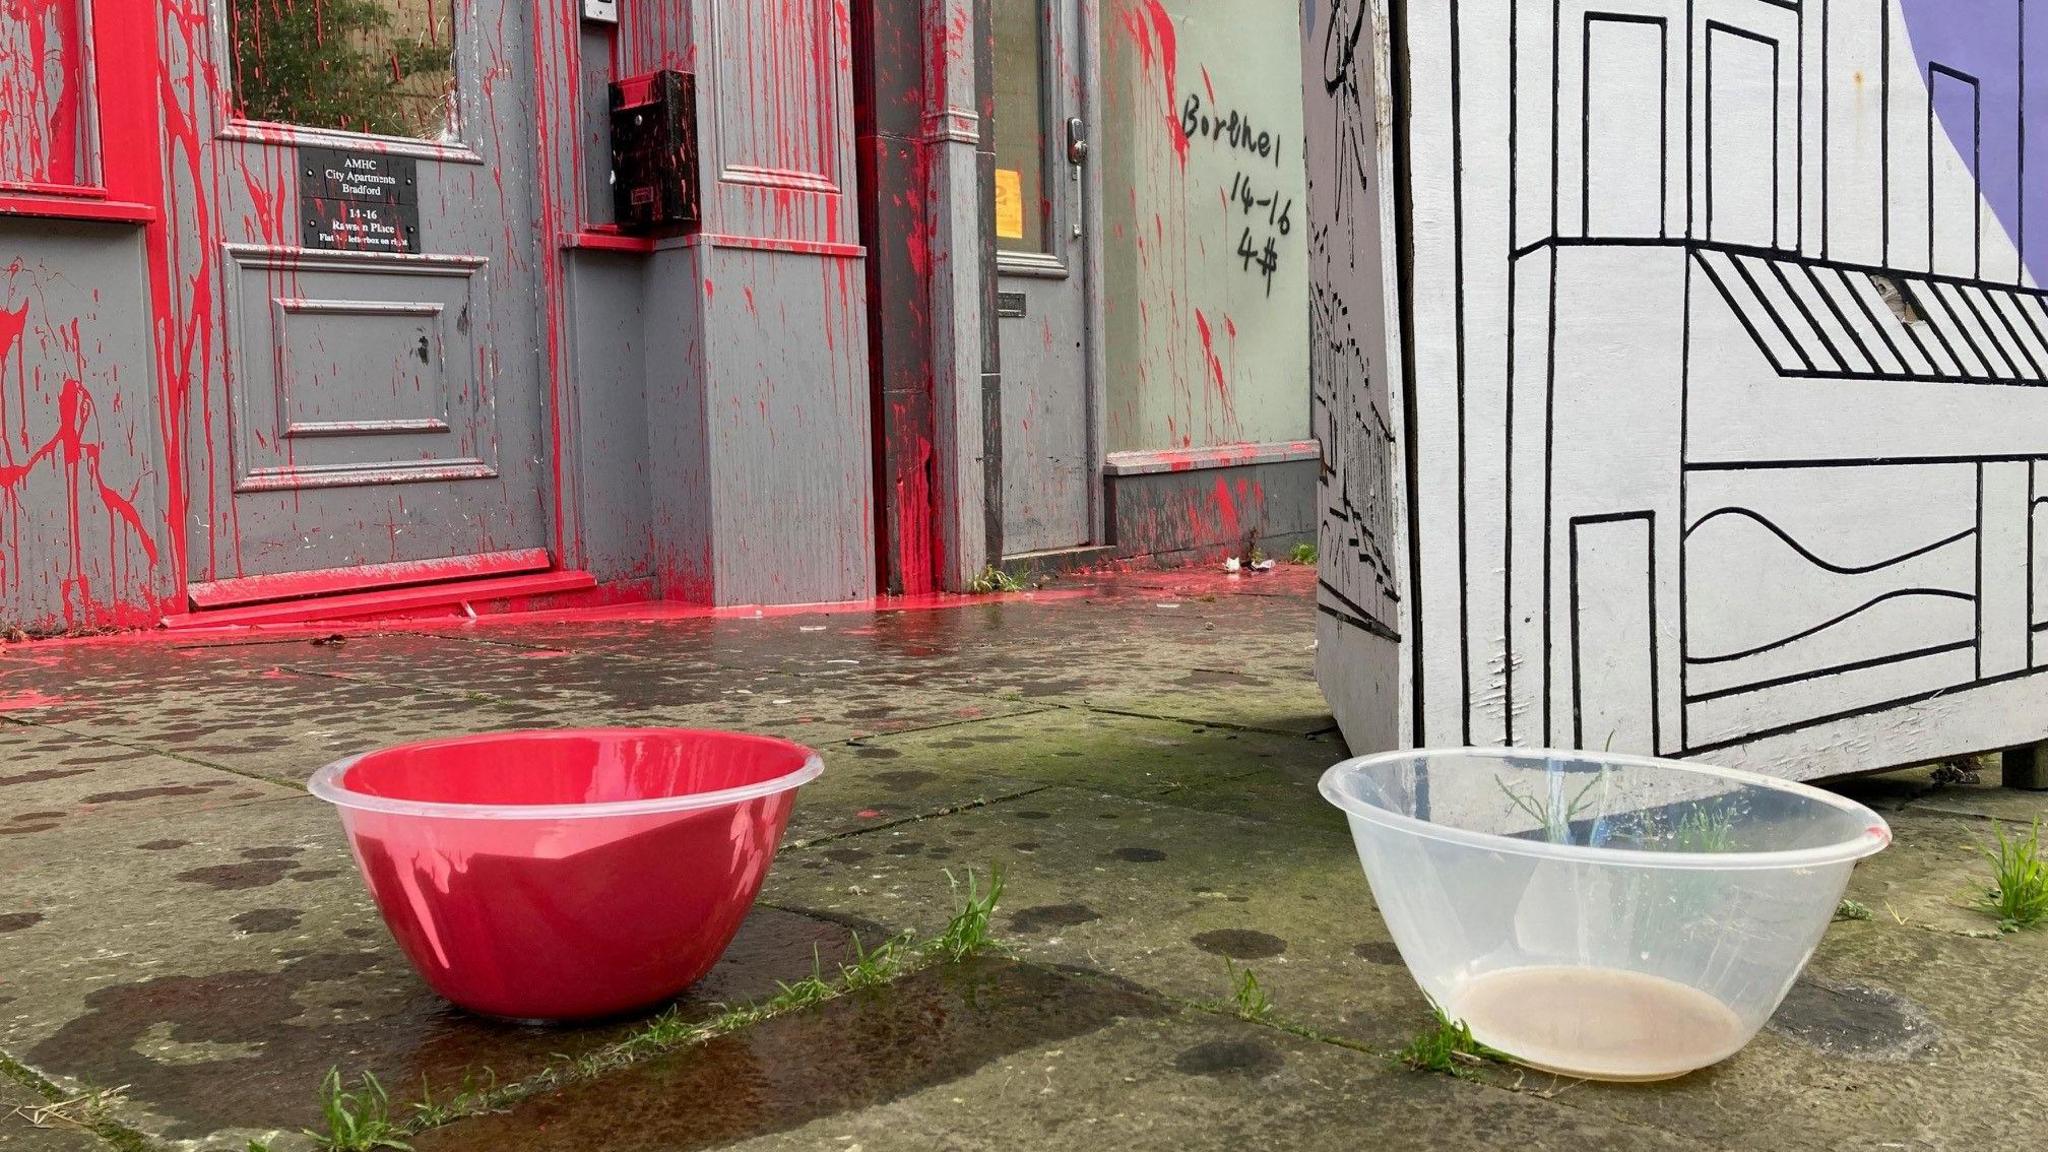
(567, 875)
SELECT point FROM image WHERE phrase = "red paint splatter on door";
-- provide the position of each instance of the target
(74, 450)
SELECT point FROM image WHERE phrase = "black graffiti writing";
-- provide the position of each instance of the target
(1270, 217)
(1266, 260)
(1279, 214)
(1234, 130)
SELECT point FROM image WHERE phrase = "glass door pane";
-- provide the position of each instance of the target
(379, 66)
(1021, 195)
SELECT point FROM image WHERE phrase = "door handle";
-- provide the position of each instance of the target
(1077, 141)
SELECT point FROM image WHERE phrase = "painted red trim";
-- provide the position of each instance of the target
(132, 93)
(69, 191)
(203, 623)
(602, 239)
(776, 244)
(556, 35)
(385, 602)
(77, 208)
(362, 578)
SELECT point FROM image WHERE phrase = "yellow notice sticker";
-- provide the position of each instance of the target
(1009, 204)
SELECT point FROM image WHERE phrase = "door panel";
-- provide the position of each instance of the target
(1048, 466)
(374, 376)
(366, 406)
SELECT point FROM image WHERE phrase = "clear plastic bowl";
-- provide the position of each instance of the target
(1606, 917)
(567, 875)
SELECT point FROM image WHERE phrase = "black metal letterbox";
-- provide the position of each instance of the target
(654, 152)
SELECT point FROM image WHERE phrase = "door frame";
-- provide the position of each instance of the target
(927, 206)
(1095, 361)
(214, 125)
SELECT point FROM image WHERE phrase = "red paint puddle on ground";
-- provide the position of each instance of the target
(19, 701)
(192, 640)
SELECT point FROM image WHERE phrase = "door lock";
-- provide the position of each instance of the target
(1077, 141)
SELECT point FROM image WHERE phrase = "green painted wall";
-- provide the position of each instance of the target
(1204, 219)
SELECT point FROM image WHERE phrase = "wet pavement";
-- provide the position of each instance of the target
(182, 925)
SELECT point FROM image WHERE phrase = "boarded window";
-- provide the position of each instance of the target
(378, 66)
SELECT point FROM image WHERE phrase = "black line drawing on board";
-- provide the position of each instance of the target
(1739, 297)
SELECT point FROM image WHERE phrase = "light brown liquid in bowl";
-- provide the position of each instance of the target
(1598, 1023)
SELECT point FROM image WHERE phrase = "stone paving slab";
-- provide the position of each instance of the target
(51, 780)
(220, 962)
(1253, 774)
(1213, 660)
(1896, 1038)
(1008, 1056)
(277, 724)
(1113, 895)
(204, 939)
(1931, 874)
(858, 795)
(1159, 895)
(548, 686)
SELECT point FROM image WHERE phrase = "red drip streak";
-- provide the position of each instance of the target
(1169, 62)
(77, 454)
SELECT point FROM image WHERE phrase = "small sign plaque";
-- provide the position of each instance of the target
(358, 201)
(1010, 305)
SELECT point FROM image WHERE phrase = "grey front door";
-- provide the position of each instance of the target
(354, 198)
(1048, 464)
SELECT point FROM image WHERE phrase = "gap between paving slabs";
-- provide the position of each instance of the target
(1107, 884)
(866, 964)
(1000, 1054)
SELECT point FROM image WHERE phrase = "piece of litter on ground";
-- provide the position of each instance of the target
(1265, 565)
(784, 700)
(1167, 605)
(1232, 564)
(810, 628)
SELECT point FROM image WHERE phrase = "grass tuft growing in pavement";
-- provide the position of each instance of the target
(1304, 553)
(873, 968)
(968, 934)
(358, 1121)
(810, 990)
(993, 580)
(1247, 998)
(2018, 895)
(1446, 1046)
(1852, 910)
(466, 1100)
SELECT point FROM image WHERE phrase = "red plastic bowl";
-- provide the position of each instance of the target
(567, 875)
